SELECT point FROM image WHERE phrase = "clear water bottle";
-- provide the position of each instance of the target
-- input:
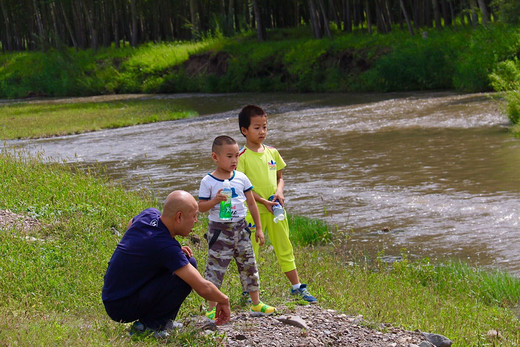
(278, 211)
(225, 206)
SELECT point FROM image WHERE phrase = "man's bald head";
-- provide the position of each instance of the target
(178, 200)
(179, 212)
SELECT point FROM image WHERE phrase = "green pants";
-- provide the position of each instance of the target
(278, 234)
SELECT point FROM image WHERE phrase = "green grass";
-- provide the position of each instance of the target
(48, 118)
(458, 58)
(50, 287)
(307, 231)
(151, 57)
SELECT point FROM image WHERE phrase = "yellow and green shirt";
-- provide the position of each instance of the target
(261, 169)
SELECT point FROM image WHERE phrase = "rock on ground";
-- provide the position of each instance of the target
(325, 328)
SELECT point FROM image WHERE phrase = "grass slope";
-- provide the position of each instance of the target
(50, 287)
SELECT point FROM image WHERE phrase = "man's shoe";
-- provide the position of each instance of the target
(136, 328)
(173, 325)
(210, 314)
(161, 334)
(303, 292)
(262, 310)
(170, 326)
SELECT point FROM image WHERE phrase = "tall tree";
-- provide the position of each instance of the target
(474, 12)
(39, 25)
(195, 19)
(69, 27)
(260, 29)
(324, 19)
(406, 17)
(347, 16)
(368, 16)
(437, 14)
(315, 23)
(133, 16)
(484, 12)
(8, 36)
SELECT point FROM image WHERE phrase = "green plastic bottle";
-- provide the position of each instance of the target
(225, 206)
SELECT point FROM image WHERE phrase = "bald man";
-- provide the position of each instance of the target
(150, 274)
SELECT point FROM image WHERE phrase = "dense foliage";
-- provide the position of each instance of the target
(291, 60)
(42, 24)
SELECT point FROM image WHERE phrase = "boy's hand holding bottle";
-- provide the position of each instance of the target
(277, 208)
(220, 196)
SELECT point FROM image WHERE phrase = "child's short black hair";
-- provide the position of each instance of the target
(222, 140)
(249, 111)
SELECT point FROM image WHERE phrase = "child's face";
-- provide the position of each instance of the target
(257, 131)
(226, 157)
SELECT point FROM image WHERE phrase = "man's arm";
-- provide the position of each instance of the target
(130, 223)
(207, 290)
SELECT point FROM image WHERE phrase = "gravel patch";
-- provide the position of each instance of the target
(312, 325)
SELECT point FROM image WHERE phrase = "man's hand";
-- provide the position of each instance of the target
(223, 313)
(187, 251)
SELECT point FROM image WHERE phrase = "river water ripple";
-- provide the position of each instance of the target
(438, 170)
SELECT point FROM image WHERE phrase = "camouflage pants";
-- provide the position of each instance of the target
(227, 241)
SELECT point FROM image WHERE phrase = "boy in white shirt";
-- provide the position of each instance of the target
(231, 239)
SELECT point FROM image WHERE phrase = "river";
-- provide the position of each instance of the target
(436, 174)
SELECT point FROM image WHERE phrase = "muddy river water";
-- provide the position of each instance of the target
(437, 171)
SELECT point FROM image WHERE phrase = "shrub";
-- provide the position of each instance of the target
(506, 78)
(487, 47)
(306, 231)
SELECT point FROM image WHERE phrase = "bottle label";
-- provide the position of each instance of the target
(225, 208)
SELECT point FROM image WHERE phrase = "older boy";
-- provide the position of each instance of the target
(263, 165)
(231, 239)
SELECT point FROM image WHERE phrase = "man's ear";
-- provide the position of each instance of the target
(214, 155)
(242, 129)
(178, 216)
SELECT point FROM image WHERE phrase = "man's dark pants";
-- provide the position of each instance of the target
(155, 304)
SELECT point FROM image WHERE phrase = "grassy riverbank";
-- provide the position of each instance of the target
(55, 117)
(51, 276)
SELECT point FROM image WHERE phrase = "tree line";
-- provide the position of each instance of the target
(82, 24)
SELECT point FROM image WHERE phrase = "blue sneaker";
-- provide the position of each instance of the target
(245, 299)
(303, 292)
(137, 328)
